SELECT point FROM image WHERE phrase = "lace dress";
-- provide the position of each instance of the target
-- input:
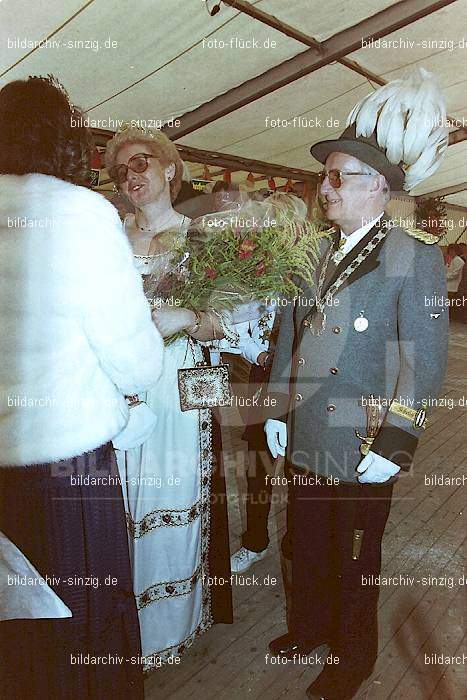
(177, 521)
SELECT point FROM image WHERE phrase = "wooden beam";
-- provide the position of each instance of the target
(253, 11)
(368, 74)
(231, 162)
(296, 34)
(336, 47)
(226, 161)
(454, 189)
(457, 207)
(215, 173)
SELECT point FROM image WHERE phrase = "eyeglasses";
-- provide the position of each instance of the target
(335, 177)
(137, 163)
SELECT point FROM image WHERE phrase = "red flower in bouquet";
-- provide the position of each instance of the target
(262, 266)
(246, 249)
(210, 273)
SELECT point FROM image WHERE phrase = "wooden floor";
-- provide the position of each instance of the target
(423, 541)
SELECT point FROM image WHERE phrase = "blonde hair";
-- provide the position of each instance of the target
(158, 144)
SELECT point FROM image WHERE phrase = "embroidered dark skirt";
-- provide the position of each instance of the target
(219, 551)
(68, 519)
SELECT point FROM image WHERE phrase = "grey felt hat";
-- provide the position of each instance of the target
(365, 149)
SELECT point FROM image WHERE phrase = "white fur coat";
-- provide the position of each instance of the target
(75, 328)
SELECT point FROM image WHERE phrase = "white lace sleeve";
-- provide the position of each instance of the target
(231, 334)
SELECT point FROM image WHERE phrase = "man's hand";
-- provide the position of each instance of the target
(374, 469)
(276, 436)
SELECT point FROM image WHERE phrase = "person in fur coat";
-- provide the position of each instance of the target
(77, 336)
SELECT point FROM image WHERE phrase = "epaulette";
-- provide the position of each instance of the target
(420, 235)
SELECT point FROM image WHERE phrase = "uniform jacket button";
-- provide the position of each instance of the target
(330, 408)
(334, 370)
(298, 397)
(336, 329)
(301, 360)
(306, 323)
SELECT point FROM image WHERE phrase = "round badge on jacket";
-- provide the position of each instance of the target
(361, 323)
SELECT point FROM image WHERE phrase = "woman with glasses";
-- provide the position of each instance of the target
(175, 491)
(77, 335)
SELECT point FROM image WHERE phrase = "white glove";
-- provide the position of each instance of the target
(375, 469)
(276, 436)
(141, 424)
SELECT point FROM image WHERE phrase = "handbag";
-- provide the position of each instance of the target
(141, 424)
(204, 386)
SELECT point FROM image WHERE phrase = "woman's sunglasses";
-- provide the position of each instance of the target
(335, 177)
(137, 163)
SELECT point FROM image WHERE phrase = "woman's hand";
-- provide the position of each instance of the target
(169, 320)
(262, 359)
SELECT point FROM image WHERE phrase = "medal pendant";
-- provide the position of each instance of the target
(364, 448)
(360, 324)
(367, 441)
(338, 256)
(318, 323)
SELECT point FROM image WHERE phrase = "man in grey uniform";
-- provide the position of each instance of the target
(359, 359)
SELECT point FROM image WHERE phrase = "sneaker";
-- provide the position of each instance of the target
(244, 558)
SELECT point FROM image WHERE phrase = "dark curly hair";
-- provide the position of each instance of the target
(42, 132)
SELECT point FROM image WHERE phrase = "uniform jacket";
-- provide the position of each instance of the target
(76, 329)
(322, 383)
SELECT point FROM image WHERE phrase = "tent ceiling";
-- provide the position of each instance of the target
(160, 68)
(315, 18)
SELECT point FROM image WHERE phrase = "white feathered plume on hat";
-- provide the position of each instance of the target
(409, 116)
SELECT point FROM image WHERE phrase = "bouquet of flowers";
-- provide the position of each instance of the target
(230, 258)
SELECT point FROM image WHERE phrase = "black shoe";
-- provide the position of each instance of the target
(318, 695)
(286, 646)
(333, 684)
